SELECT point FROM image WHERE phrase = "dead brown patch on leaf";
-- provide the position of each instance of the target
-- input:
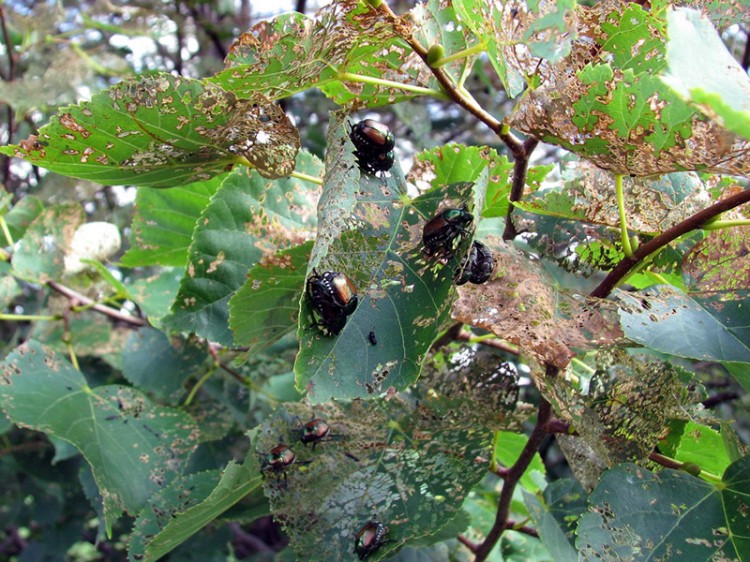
(522, 306)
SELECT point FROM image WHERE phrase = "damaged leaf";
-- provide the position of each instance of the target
(398, 461)
(522, 305)
(368, 231)
(134, 447)
(163, 131)
(292, 53)
(248, 219)
(266, 307)
(651, 205)
(604, 101)
(686, 515)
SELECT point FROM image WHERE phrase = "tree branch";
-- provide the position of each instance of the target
(694, 222)
(513, 476)
(86, 301)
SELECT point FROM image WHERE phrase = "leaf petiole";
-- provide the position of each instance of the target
(350, 77)
(6, 231)
(307, 177)
(458, 55)
(624, 237)
(719, 224)
(28, 317)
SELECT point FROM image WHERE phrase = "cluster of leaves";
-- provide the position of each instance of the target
(175, 420)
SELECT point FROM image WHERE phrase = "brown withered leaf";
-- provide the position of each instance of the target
(522, 305)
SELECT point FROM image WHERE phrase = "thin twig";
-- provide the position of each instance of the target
(471, 545)
(465, 335)
(86, 301)
(693, 222)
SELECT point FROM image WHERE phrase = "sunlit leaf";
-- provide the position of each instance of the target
(293, 52)
(247, 219)
(163, 131)
(453, 163)
(164, 222)
(721, 95)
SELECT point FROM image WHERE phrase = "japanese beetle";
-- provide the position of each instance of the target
(373, 146)
(334, 297)
(314, 431)
(439, 234)
(369, 538)
(478, 265)
(277, 460)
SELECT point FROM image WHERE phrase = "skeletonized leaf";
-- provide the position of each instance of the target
(163, 131)
(522, 305)
(133, 446)
(606, 103)
(396, 460)
(651, 205)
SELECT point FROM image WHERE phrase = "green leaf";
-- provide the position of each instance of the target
(266, 307)
(669, 321)
(164, 221)
(720, 89)
(556, 516)
(191, 503)
(508, 447)
(133, 446)
(496, 28)
(40, 252)
(394, 460)
(155, 294)
(685, 515)
(247, 219)
(292, 53)
(370, 234)
(20, 216)
(163, 131)
(454, 163)
(160, 365)
(703, 446)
